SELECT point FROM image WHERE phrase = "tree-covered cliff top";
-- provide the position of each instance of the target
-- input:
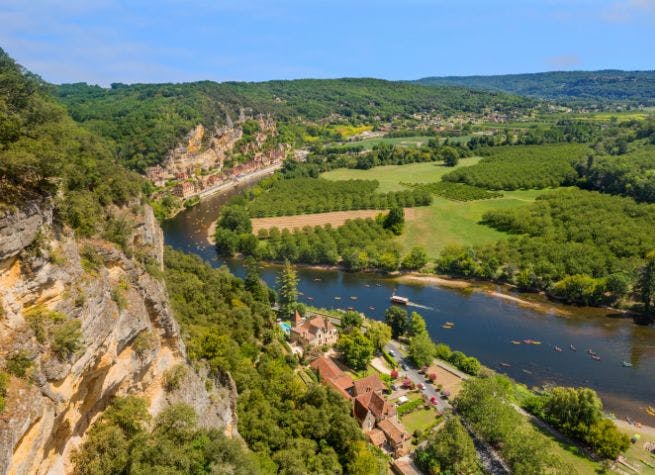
(148, 120)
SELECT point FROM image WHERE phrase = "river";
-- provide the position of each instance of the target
(484, 325)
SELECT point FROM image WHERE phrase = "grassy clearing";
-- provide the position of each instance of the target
(636, 453)
(421, 419)
(391, 176)
(445, 221)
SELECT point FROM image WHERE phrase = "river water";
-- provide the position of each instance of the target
(485, 326)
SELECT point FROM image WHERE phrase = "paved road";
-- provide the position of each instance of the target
(413, 375)
(490, 460)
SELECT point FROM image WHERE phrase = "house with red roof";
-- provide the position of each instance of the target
(316, 330)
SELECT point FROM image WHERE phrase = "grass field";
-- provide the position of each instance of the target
(444, 222)
(405, 141)
(335, 218)
(390, 176)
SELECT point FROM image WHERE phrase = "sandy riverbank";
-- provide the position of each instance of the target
(434, 280)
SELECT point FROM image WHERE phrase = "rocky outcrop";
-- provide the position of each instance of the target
(19, 228)
(128, 340)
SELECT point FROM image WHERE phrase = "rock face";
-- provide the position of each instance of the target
(128, 338)
(18, 229)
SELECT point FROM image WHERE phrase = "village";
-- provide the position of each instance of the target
(396, 405)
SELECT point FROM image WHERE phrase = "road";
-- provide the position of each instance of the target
(413, 375)
(489, 458)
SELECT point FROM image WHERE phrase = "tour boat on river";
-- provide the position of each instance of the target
(400, 300)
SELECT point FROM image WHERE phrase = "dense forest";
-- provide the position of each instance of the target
(579, 86)
(520, 167)
(585, 247)
(147, 120)
(43, 151)
(292, 428)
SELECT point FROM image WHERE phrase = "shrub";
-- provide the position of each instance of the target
(144, 342)
(91, 260)
(173, 377)
(66, 338)
(4, 382)
(409, 406)
(18, 364)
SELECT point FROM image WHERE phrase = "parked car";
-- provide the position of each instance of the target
(421, 386)
(403, 366)
(391, 353)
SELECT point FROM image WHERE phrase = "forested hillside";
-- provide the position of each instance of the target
(579, 86)
(148, 120)
(42, 150)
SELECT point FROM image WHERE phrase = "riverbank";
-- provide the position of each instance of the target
(230, 185)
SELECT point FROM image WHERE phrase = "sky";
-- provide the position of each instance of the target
(106, 41)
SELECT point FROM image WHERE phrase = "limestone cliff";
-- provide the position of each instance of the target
(87, 322)
(206, 150)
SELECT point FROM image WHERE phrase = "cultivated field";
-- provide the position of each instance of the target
(335, 218)
(404, 141)
(445, 221)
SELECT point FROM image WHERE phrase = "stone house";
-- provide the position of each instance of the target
(314, 331)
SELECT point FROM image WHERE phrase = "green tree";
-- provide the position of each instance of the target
(449, 450)
(235, 218)
(379, 333)
(450, 156)
(367, 460)
(287, 288)
(416, 259)
(356, 350)
(351, 320)
(647, 284)
(397, 319)
(416, 324)
(421, 349)
(395, 220)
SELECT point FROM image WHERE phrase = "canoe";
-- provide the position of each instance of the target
(516, 342)
(505, 365)
(557, 348)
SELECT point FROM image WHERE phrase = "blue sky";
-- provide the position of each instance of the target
(105, 41)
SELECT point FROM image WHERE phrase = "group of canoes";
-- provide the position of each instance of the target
(594, 356)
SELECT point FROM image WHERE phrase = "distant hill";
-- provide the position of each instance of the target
(577, 86)
(147, 120)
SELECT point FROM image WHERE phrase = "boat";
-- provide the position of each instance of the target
(526, 371)
(573, 348)
(337, 298)
(317, 279)
(378, 285)
(505, 365)
(529, 341)
(447, 327)
(310, 298)
(352, 297)
(626, 364)
(595, 357)
(592, 353)
(650, 410)
(557, 348)
(399, 300)
(371, 307)
(367, 285)
(450, 323)
(516, 342)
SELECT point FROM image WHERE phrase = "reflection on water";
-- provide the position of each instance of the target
(484, 326)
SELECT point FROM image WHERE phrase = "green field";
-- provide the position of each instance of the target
(390, 176)
(405, 141)
(444, 222)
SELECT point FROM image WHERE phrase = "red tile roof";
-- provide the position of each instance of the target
(377, 437)
(371, 383)
(375, 404)
(332, 375)
(395, 432)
